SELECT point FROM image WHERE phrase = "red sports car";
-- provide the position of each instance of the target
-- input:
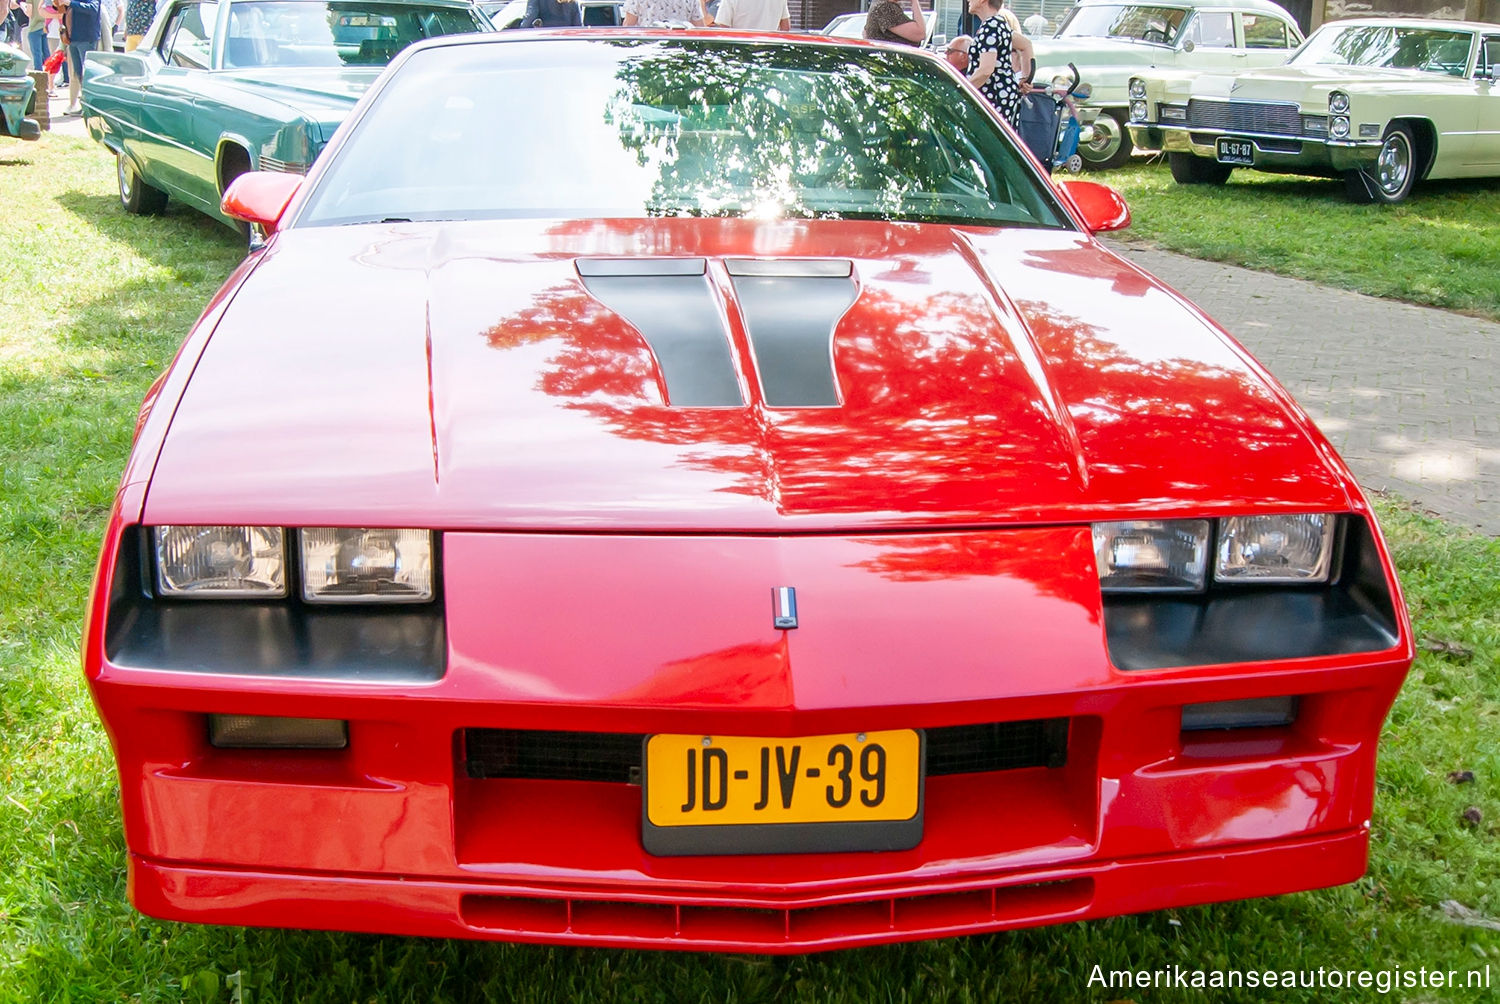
(695, 490)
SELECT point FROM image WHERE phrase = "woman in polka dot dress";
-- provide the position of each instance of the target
(990, 60)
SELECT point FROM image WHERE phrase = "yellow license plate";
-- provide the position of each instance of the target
(735, 780)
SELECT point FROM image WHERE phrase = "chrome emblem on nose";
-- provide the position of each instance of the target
(784, 615)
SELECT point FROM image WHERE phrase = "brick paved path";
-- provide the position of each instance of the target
(1410, 396)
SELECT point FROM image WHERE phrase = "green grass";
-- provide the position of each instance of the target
(93, 306)
(1440, 247)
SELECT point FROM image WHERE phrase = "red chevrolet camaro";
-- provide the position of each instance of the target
(694, 490)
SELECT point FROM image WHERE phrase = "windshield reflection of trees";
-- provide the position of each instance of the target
(774, 131)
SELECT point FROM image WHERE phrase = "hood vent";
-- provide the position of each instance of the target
(790, 308)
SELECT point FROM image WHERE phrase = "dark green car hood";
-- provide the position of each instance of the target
(324, 96)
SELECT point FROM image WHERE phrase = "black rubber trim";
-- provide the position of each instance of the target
(790, 319)
(1249, 623)
(784, 838)
(385, 644)
(676, 313)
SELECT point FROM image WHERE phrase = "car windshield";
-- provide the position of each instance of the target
(1142, 24)
(677, 127)
(1404, 47)
(299, 33)
(846, 26)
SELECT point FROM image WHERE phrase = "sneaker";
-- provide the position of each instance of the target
(73, 110)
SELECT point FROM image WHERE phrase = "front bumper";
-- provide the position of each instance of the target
(1292, 154)
(399, 832)
(731, 920)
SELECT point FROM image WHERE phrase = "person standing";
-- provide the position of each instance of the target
(36, 33)
(957, 53)
(756, 15)
(109, 16)
(138, 15)
(551, 14)
(80, 33)
(990, 60)
(886, 23)
(653, 12)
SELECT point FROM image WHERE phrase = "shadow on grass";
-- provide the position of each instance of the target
(159, 238)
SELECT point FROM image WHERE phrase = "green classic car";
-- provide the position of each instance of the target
(221, 87)
(1110, 40)
(1381, 102)
(15, 94)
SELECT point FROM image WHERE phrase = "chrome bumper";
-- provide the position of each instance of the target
(1272, 152)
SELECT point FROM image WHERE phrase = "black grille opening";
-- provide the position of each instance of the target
(616, 756)
(974, 749)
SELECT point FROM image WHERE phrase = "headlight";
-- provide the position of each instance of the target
(1137, 87)
(364, 566)
(1338, 102)
(1275, 548)
(220, 562)
(1339, 126)
(1138, 111)
(1152, 555)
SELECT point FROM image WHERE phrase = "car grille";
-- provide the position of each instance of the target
(1282, 118)
(281, 166)
(616, 756)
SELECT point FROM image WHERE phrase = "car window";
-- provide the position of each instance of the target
(1433, 50)
(605, 15)
(1265, 32)
(187, 38)
(1142, 23)
(678, 127)
(357, 33)
(1489, 56)
(1213, 29)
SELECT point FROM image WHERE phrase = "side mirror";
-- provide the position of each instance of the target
(260, 197)
(1099, 207)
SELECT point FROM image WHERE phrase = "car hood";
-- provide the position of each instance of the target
(1291, 83)
(13, 62)
(1059, 52)
(322, 95)
(476, 375)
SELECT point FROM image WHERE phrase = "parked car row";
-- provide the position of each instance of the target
(1381, 103)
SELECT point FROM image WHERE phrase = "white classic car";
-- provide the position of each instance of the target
(1382, 102)
(1110, 40)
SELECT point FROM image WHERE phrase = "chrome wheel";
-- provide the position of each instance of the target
(136, 195)
(1110, 145)
(1394, 165)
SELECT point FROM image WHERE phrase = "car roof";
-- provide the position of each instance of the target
(1259, 5)
(1438, 24)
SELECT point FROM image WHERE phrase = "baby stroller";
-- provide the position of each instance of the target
(1049, 122)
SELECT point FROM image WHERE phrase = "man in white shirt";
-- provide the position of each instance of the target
(760, 15)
